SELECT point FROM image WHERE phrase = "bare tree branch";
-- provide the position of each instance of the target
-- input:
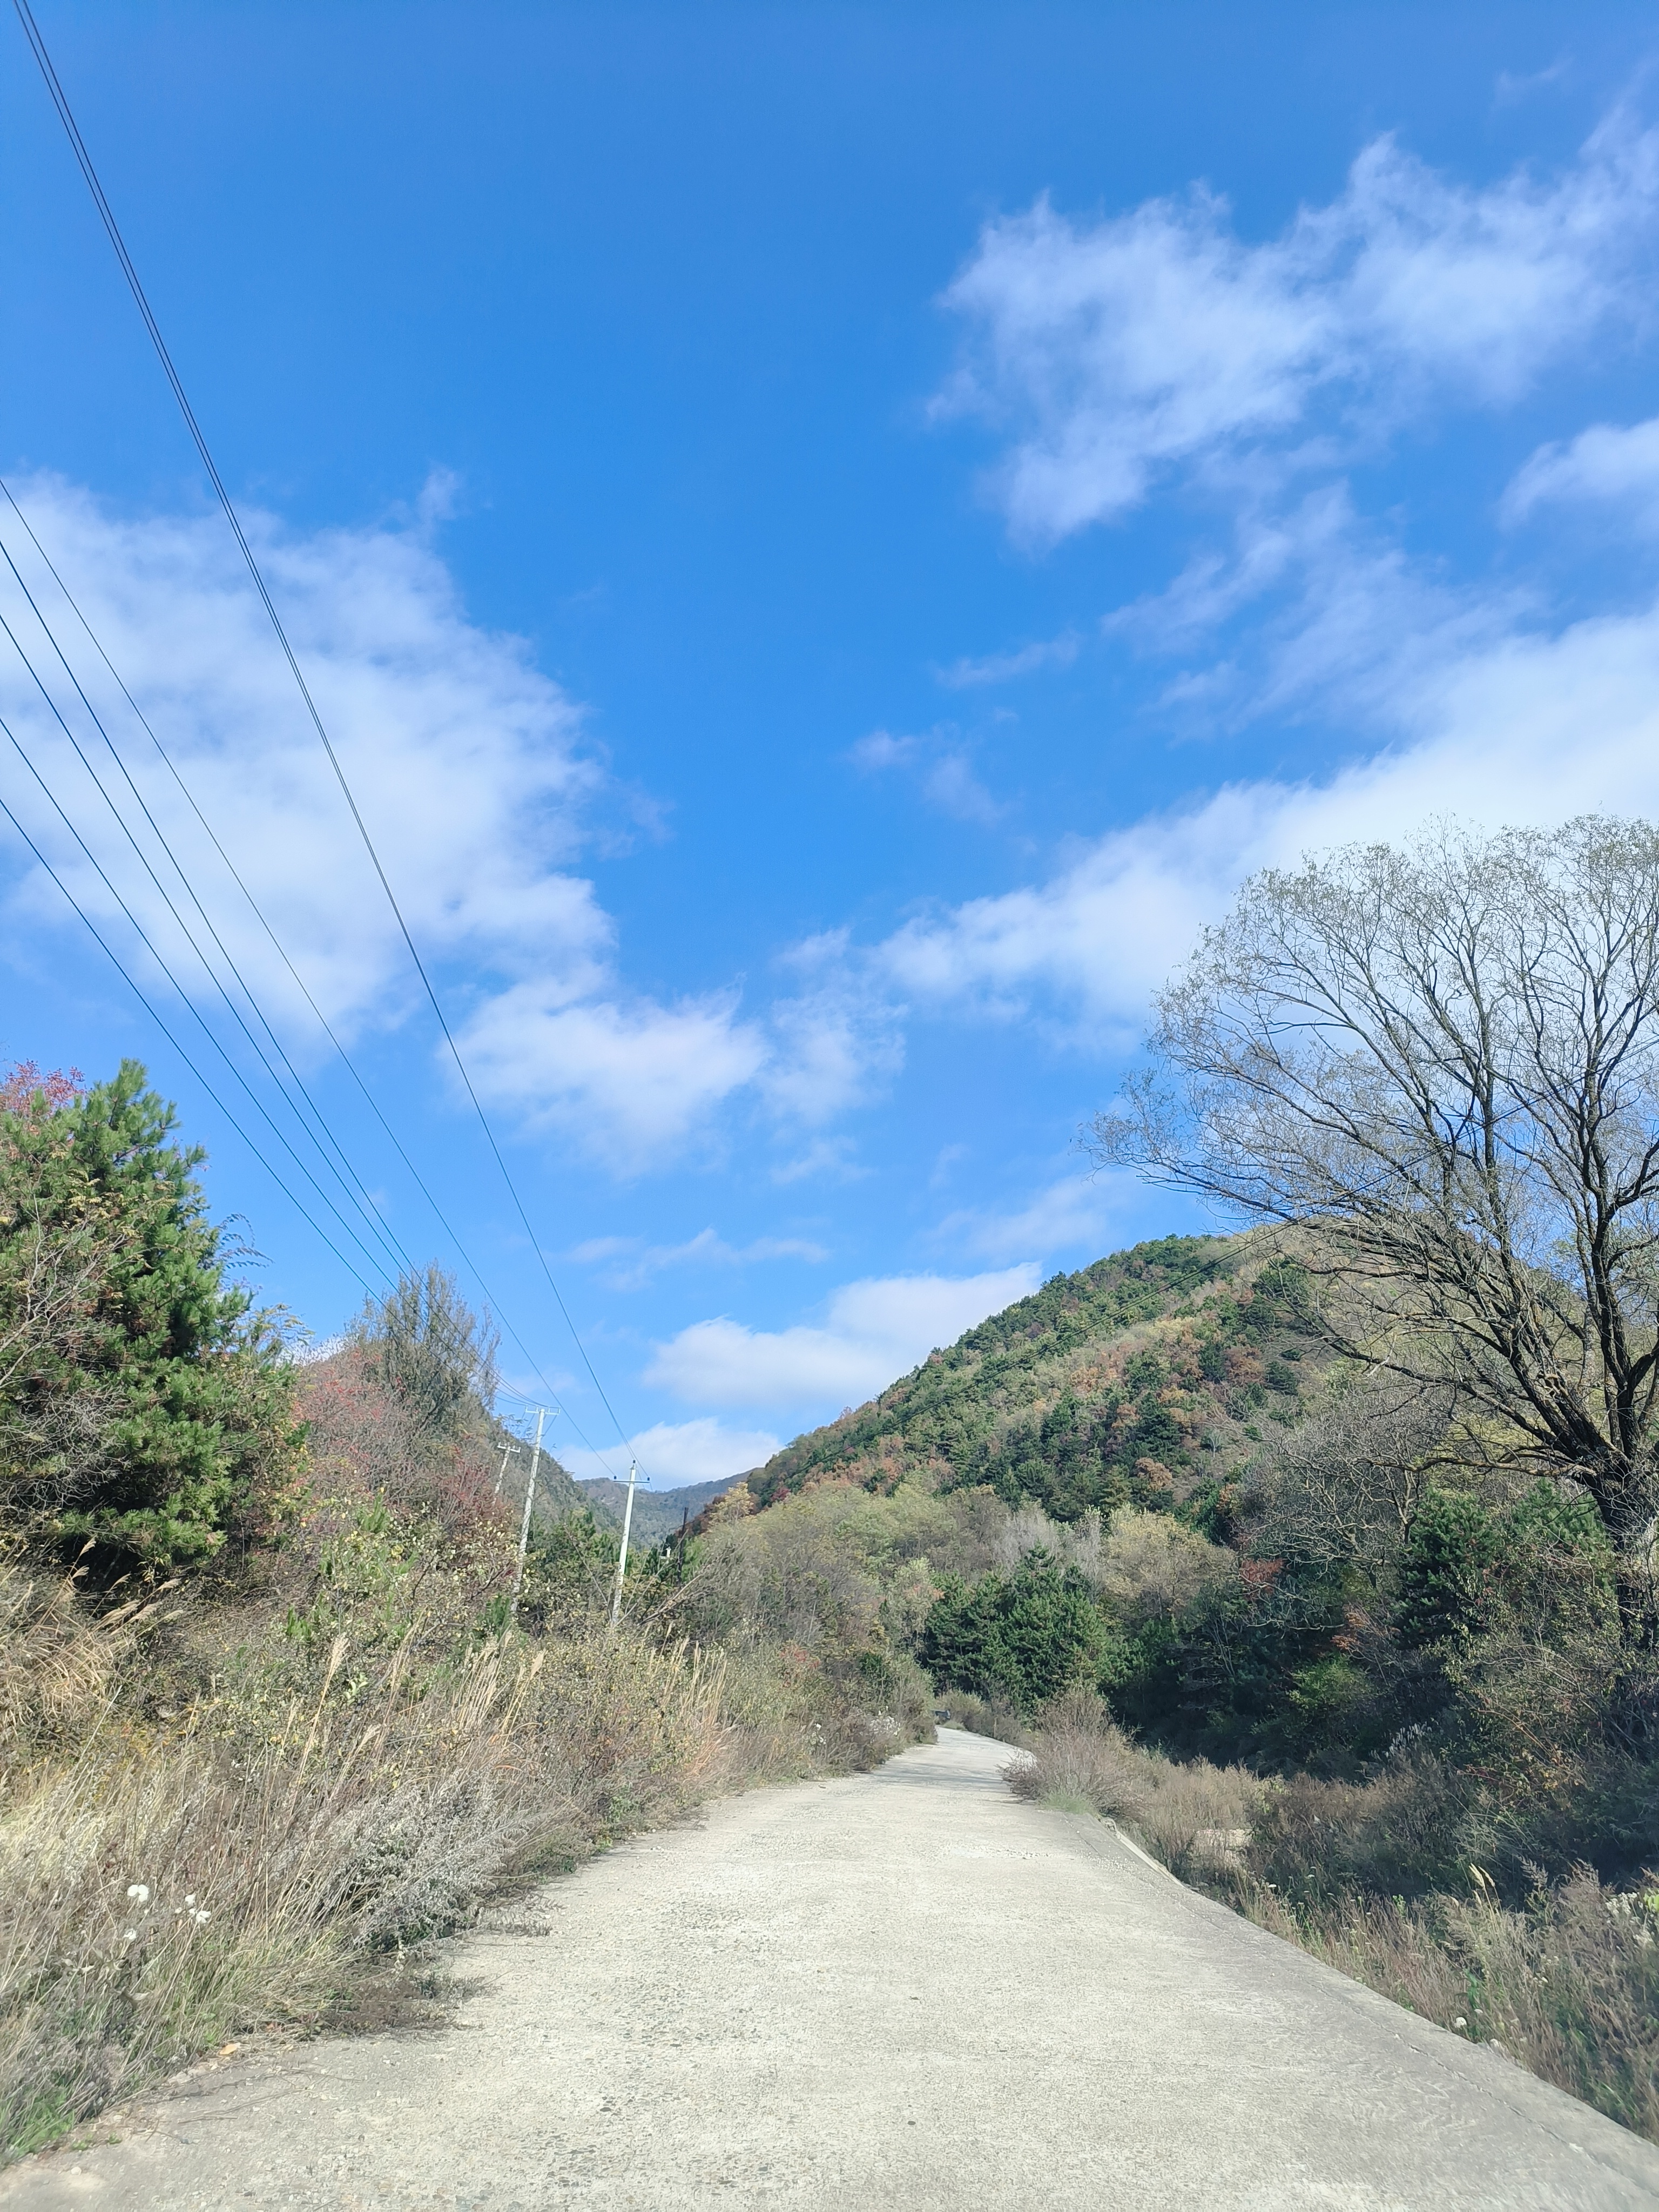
(1439, 1067)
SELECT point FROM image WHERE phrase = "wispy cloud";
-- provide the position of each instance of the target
(940, 766)
(1074, 1214)
(835, 1158)
(1116, 353)
(1511, 727)
(1513, 86)
(1604, 468)
(632, 1263)
(1004, 667)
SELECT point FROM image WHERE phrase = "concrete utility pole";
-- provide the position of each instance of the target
(621, 1556)
(510, 1451)
(529, 1500)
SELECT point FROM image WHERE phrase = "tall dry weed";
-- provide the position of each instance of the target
(1568, 1987)
(57, 1665)
(226, 1829)
(159, 1894)
(1189, 1814)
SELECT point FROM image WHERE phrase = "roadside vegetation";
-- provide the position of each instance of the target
(1379, 1699)
(1335, 1578)
(1320, 1556)
(269, 1723)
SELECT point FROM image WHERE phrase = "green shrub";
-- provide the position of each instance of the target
(1442, 1576)
(1543, 1563)
(1025, 1637)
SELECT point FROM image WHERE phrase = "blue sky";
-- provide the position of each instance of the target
(829, 539)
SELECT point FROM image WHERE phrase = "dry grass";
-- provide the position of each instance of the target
(239, 1816)
(1568, 1986)
(54, 1665)
(1190, 1814)
(162, 1892)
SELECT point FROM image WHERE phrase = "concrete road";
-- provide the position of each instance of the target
(906, 1989)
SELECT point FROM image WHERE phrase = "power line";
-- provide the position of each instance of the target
(377, 1227)
(322, 1136)
(151, 1009)
(106, 214)
(132, 983)
(155, 953)
(258, 913)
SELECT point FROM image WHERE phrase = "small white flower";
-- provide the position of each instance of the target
(131, 1936)
(1460, 2021)
(198, 1917)
(190, 1900)
(139, 1890)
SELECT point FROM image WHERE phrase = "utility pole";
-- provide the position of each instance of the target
(621, 1556)
(529, 1500)
(509, 1451)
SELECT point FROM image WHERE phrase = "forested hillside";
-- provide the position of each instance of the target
(658, 1514)
(1139, 1380)
(1328, 1640)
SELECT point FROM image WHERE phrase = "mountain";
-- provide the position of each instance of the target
(657, 1513)
(557, 1491)
(1144, 1379)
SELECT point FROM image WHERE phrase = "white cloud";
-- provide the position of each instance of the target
(1094, 937)
(633, 1081)
(637, 1264)
(467, 762)
(872, 1332)
(673, 1453)
(1603, 466)
(834, 1045)
(1511, 728)
(472, 772)
(1158, 340)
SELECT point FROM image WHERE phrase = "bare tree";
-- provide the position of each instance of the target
(1343, 1486)
(1439, 1067)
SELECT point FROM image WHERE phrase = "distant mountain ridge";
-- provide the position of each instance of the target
(1142, 1379)
(657, 1513)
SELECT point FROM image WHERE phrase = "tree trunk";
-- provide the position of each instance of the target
(1626, 1496)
